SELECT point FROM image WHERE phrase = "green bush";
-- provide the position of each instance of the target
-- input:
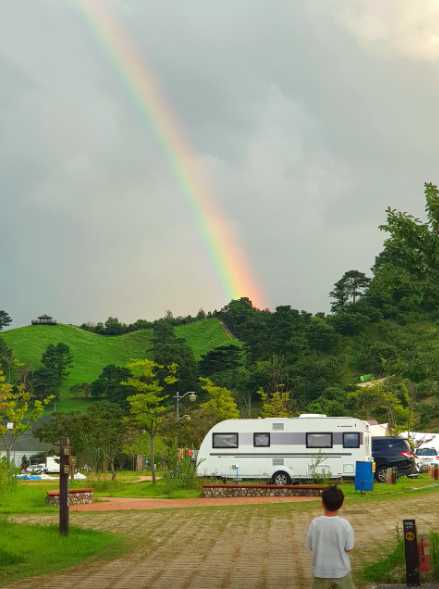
(180, 473)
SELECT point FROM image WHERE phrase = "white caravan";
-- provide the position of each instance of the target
(283, 450)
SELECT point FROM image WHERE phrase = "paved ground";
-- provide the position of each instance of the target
(253, 547)
(126, 504)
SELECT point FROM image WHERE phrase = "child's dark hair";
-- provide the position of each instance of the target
(332, 498)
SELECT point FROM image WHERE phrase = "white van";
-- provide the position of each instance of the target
(283, 450)
(52, 464)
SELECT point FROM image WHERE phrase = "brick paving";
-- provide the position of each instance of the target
(246, 547)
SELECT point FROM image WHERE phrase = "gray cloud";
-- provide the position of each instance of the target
(308, 118)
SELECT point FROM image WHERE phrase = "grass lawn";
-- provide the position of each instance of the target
(29, 497)
(405, 487)
(390, 568)
(29, 550)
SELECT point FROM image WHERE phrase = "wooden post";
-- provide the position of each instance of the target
(64, 470)
(411, 553)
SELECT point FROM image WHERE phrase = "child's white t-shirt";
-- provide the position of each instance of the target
(329, 537)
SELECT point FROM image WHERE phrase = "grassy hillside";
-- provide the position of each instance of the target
(91, 352)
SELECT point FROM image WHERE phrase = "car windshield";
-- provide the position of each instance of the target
(426, 452)
(392, 443)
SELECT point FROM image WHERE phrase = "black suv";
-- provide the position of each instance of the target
(393, 452)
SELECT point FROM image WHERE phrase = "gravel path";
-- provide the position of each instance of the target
(247, 547)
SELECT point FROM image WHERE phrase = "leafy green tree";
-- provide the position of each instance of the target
(111, 385)
(277, 404)
(56, 363)
(332, 403)
(97, 436)
(322, 337)
(7, 360)
(220, 359)
(406, 273)
(379, 402)
(351, 286)
(105, 432)
(17, 407)
(168, 349)
(5, 319)
(148, 403)
(114, 327)
(220, 404)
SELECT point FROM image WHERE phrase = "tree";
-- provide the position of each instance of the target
(114, 327)
(148, 404)
(5, 319)
(56, 362)
(97, 436)
(220, 359)
(378, 401)
(105, 432)
(7, 361)
(351, 286)
(18, 408)
(221, 404)
(111, 385)
(168, 349)
(275, 405)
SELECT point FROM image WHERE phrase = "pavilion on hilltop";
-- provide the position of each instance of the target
(44, 320)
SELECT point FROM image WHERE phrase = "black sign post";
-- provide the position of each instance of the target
(64, 471)
(411, 553)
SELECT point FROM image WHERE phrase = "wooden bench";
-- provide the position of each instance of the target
(75, 497)
(261, 490)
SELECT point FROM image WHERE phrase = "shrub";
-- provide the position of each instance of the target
(180, 472)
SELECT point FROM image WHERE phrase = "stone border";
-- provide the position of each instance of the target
(75, 497)
(248, 490)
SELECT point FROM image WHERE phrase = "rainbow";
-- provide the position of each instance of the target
(228, 257)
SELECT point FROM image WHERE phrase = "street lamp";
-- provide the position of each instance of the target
(178, 397)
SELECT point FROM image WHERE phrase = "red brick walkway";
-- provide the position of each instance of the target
(124, 504)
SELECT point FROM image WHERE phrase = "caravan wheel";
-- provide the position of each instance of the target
(281, 478)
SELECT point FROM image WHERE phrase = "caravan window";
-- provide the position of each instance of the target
(225, 441)
(261, 440)
(351, 440)
(319, 440)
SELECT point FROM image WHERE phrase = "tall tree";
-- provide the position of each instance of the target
(18, 408)
(169, 349)
(5, 319)
(148, 404)
(277, 404)
(7, 361)
(219, 359)
(56, 363)
(351, 286)
(220, 404)
(111, 385)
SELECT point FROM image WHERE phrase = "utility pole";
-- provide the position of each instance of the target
(64, 471)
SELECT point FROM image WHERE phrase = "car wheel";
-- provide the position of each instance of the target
(381, 474)
(281, 478)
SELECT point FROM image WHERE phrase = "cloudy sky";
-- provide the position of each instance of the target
(308, 117)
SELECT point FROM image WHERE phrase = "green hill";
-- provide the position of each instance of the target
(91, 352)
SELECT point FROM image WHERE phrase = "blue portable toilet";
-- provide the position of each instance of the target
(363, 475)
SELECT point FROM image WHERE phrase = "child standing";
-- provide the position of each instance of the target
(330, 538)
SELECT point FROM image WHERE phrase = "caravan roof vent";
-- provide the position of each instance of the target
(312, 415)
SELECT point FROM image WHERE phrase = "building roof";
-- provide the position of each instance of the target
(28, 443)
